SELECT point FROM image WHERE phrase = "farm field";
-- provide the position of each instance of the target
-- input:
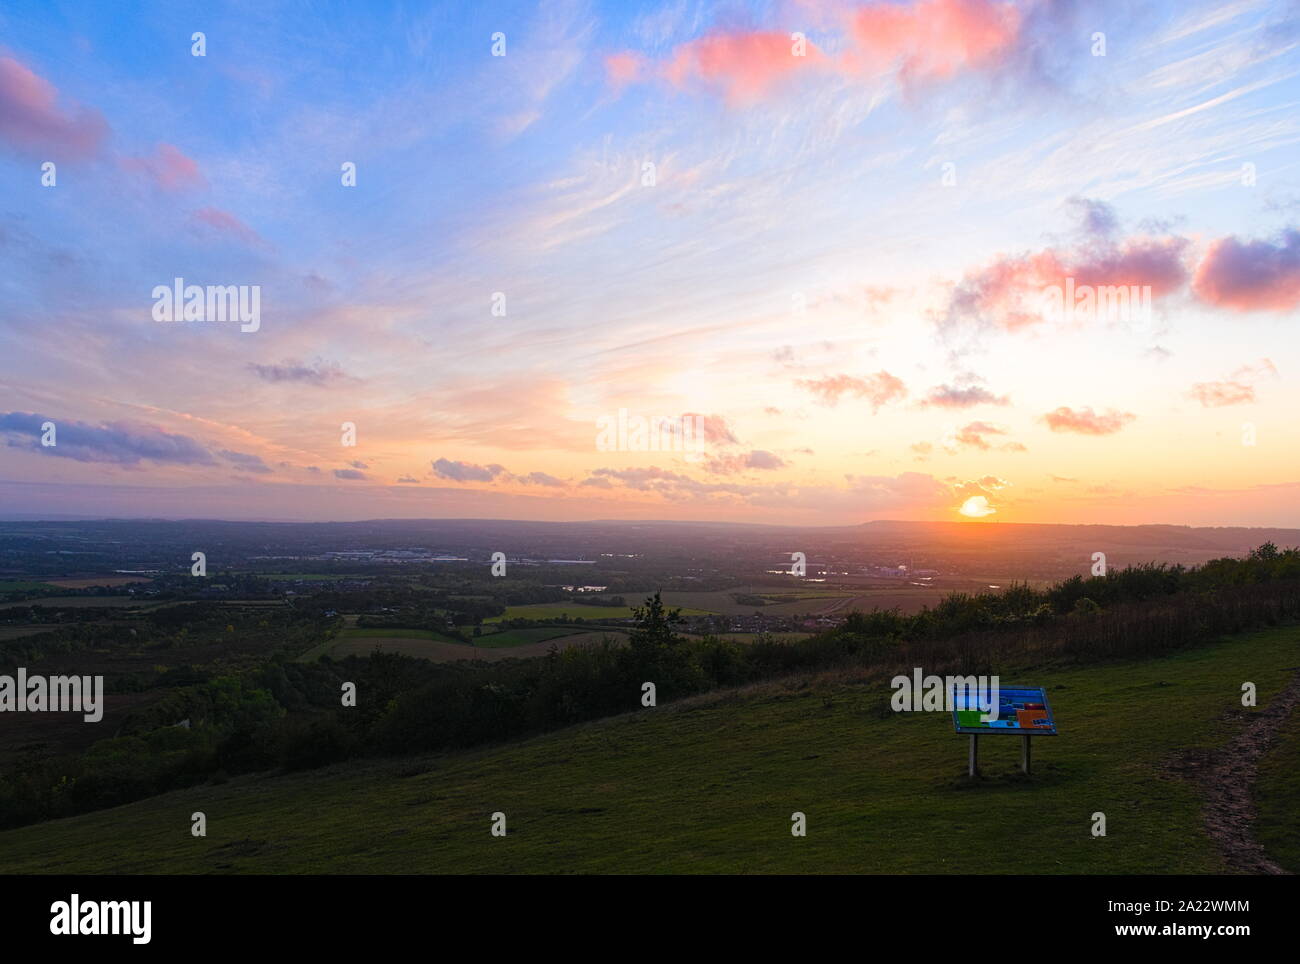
(910, 600)
(796, 602)
(883, 792)
(309, 577)
(79, 602)
(106, 581)
(520, 637)
(562, 610)
(384, 632)
(18, 632)
(750, 637)
(426, 644)
(362, 641)
(719, 602)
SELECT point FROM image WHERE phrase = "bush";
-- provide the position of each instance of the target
(1083, 606)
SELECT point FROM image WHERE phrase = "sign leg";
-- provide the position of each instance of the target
(974, 755)
(1024, 754)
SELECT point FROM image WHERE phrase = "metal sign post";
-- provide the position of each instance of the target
(1024, 754)
(974, 755)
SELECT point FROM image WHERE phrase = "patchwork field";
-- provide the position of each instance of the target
(710, 784)
(750, 637)
(908, 600)
(308, 577)
(106, 581)
(520, 637)
(426, 644)
(18, 632)
(78, 602)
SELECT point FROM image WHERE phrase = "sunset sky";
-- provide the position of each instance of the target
(834, 249)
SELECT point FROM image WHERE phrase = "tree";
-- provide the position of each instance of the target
(654, 624)
(1266, 553)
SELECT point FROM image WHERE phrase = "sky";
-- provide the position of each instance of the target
(934, 260)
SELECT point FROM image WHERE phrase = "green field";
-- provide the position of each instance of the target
(391, 632)
(362, 641)
(710, 784)
(562, 610)
(18, 632)
(577, 610)
(81, 602)
(719, 601)
(309, 576)
(800, 601)
(523, 637)
(750, 637)
(428, 644)
(20, 585)
(797, 595)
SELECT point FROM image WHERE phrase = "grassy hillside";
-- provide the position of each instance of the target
(1276, 793)
(709, 785)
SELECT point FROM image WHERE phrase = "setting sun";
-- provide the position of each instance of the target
(977, 507)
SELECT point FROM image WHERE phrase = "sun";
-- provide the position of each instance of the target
(976, 507)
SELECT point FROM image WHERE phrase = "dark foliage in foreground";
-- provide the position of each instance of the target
(286, 714)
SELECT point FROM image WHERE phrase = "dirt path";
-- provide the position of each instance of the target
(1227, 777)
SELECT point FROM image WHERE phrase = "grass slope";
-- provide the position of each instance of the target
(710, 784)
(1276, 793)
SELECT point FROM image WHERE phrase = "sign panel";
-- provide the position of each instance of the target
(1021, 709)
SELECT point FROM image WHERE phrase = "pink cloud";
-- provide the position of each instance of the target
(1252, 275)
(169, 169)
(1220, 394)
(1004, 292)
(756, 459)
(1086, 422)
(973, 434)
(1157, 262)
(624, 68)
(1009, 293)
(716, 429)
(932, 40)
(1238, 388)
(963, 396)
(746, 65)
(32, 121)
(879, 388)
(227, 223)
